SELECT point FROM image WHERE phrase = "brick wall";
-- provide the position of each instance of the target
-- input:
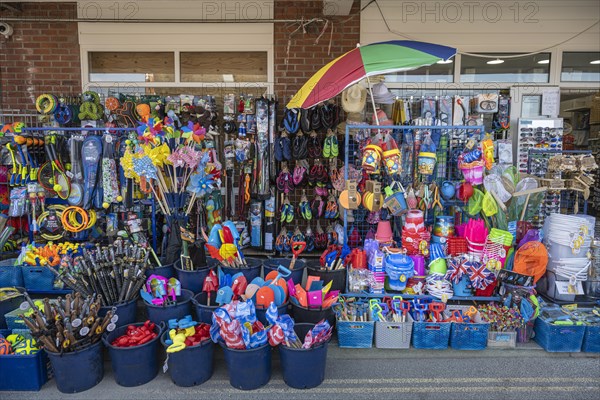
(44, 57)
(305, 57)
(39, 57)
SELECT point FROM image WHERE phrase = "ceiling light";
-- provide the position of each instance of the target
(544, 61)
(445, 62)
(595, 62)
(496, 61)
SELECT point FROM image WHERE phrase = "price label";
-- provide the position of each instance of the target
(76, 323)
(84, 331)
(111, 327)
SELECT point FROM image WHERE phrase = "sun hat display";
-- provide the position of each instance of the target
(354, 99)
(381, 94)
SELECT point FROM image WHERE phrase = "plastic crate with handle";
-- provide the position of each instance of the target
(393, 335)
(355, 334)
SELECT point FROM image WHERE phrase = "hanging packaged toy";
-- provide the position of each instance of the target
(427, 156)
(392, 157)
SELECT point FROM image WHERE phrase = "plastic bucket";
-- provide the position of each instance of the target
(261, 312)
(133, 366)
(297, 273)
(125, 311)
(312, 315)
(303, 368)
(338, 276)
(78, 371)
(251, 272)
(191, 366)
(248, 369)
(168, 271)
(158, 314)
(191, 280)
(203, 311)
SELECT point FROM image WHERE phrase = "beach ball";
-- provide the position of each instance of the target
(28, 346)
(5, 347)
(15, 338)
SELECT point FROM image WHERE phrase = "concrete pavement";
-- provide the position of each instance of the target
(524, 373)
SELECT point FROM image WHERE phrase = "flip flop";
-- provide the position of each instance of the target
(335, 151)
(315, 119)
(290, 214)
(327, 147)
(286, 147)
(305, 120)
(278, 149)
(291, 120)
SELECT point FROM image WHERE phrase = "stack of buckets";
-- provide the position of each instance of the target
(559, 229)
(442, 230)
(415, 237)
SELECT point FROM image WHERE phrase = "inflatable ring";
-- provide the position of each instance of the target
(88, 110)
(63, 114)
(112, 103)
(46, 103)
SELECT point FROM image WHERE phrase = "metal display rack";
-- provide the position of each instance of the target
(451, 142)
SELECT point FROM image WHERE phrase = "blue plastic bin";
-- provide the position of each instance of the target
(10, 274)
(464, 336)
(204, 311)
(191, 280)
(38, 278)
(591, 340)
(355, 334)
(191, 366)
(136, 365)
(23, 372)
(559, 338)
(251, 272)
(78, 371)
(158, 314)
(297, 273)
(303, 368)
(261, 313)
(431, 335)
(125, 311)
(168, 271)
(248, 369)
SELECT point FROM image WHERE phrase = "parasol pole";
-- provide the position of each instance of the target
(372, 101)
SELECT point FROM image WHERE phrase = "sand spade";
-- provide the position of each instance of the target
(297, 249)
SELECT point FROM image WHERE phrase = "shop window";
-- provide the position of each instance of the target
(131, 66)
(430, 74)
(580, 67)
(527, 69)
(223, 66)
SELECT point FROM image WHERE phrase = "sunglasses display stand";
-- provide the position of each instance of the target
(537, 134)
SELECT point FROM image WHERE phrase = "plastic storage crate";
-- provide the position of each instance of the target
(469, 336)
(431, 335)
(506, 340)
(559, 338)
(355, 334)
(10, 274)
(38, 278)
(393, 335)
(23, 372)
(13, 321)
(591, 339)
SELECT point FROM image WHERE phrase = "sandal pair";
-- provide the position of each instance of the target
(282, 148)
(330, 146)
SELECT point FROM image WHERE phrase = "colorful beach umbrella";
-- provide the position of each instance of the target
(369, 60)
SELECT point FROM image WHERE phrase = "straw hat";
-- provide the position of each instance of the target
(354, 99)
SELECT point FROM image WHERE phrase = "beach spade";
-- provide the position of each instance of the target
(228, 251)
(210, 285)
